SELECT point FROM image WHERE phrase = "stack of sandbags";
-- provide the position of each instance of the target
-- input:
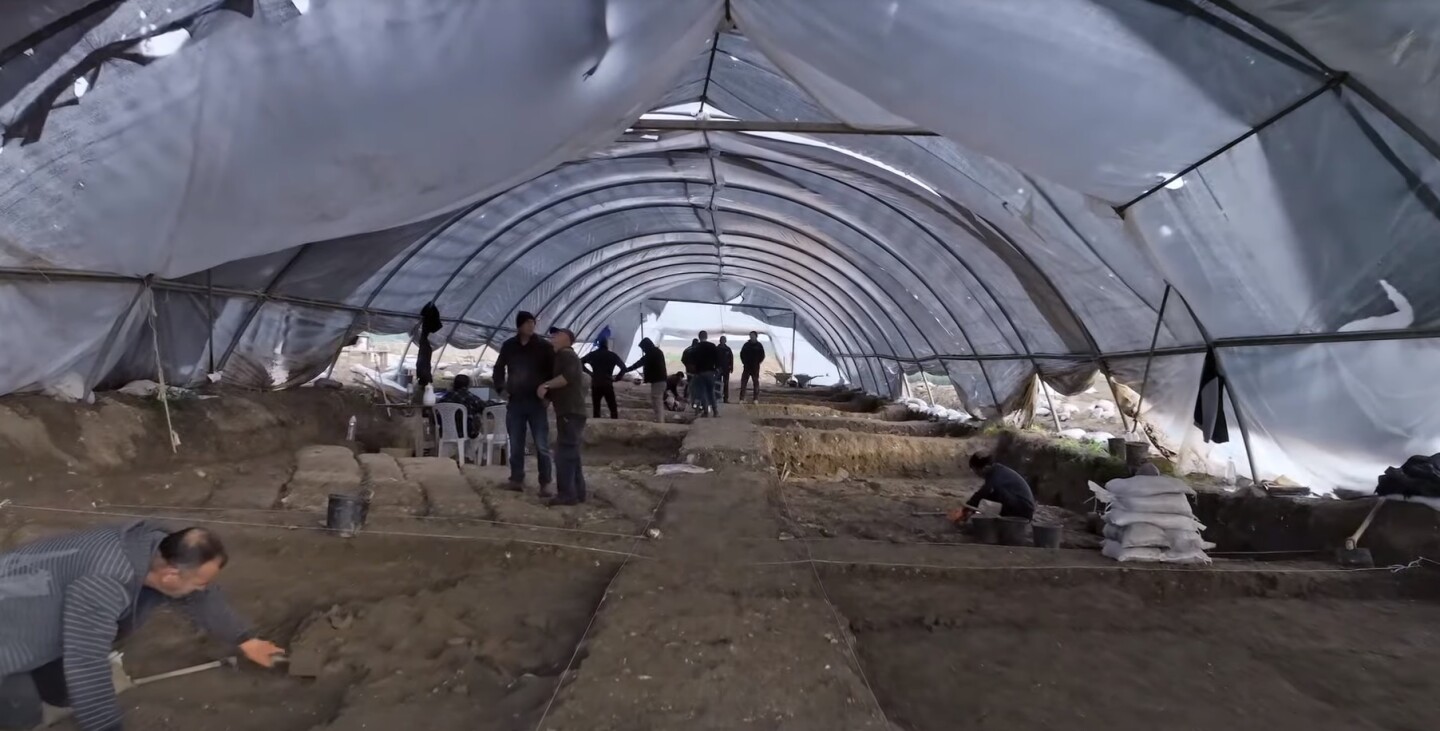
(1148, 518)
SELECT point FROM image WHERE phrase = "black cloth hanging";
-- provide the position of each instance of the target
(429, 323)
(1210, 403)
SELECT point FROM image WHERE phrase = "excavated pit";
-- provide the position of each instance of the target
(463, 602)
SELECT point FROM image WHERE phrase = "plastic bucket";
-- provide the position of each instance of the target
(345, 514)
(1012, 531)
(984, 529)
(1046, 536)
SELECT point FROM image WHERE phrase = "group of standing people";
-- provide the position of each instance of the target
(531, 371)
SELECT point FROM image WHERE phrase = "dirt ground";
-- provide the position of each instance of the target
(794, 587)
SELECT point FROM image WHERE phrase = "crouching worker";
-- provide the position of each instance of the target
(65, 601)
(1002, 485)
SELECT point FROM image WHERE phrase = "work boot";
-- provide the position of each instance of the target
(545, 491)
(563, 502)
(514, 486)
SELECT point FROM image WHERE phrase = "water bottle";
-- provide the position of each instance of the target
(1230, 472)
(350, 431)
(429, 398)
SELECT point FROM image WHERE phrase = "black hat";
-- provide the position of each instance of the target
(565, 330)
(522, 318)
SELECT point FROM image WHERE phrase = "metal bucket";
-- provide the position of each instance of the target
(1046, 536)
(345, 514)
(1136, 453)
(1012, 531)
(985, 529)
(1117, 447)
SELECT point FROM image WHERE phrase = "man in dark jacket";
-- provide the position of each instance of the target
(525, 362)
(705, 359)
(752, 354)
(65, 601)
(1002, 485)
(727, 367)
(461, 394)
(687, 359)
(566, 391)
(604, 368)
(652, 361)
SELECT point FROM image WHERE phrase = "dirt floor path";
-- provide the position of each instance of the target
(700, 633)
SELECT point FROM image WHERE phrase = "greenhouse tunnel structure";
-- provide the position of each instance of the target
(981, 190)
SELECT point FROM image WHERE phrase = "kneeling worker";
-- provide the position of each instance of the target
(1002, 485)
(65, 601)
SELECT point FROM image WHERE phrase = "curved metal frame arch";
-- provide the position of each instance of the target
(517, 253)
(754, 277)
(826, 328)
(858, 283)
(838, 250)
(627, 295)
(838, 315)
(834, 318)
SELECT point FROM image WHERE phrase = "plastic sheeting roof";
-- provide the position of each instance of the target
(1260, 171)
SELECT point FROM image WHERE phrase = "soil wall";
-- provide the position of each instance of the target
(119, 432)
(1400, 533)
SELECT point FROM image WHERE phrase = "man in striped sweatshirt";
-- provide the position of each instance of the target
(65, 601)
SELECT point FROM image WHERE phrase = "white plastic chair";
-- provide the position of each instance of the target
(493, 433)
(450, 421)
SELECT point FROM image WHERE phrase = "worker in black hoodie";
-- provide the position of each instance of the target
(526, 361)
(604, 367)
(705, 359)
(652, 361)
(752, 354)
(727, 367)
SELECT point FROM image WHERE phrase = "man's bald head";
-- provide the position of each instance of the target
(186, 561)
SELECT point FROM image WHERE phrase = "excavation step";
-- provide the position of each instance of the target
(319, 471)
(448, 491)
(727, 441)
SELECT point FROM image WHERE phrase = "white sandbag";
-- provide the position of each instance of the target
(69, 388)
(1076, 434)
(1145, 535)
(141, 388)
(1169, 504)
(1098, 437)
(1167, 521)
(1144, 485)
(1114, 550)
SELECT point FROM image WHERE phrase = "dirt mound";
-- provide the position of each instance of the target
(870, 426)
(829, 453)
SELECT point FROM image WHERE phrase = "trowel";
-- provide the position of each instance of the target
(1352, 556)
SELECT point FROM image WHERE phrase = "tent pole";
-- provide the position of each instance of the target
(794, 325)
(1234, 405)
(1154, 340)
(210, 320)
(925, 381)
(170, 434)
(1040, 383)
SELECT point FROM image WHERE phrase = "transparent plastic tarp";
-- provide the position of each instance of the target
(287, 181)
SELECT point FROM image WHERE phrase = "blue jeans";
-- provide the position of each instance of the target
(521, 416)
(569, 440)
(705, 387)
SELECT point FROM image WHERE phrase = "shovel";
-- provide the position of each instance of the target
(1352, 556)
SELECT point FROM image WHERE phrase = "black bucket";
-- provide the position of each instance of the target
(984, 529)
(1012, 531)
(1136, 453)
(345, 514)
(1046, 536)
